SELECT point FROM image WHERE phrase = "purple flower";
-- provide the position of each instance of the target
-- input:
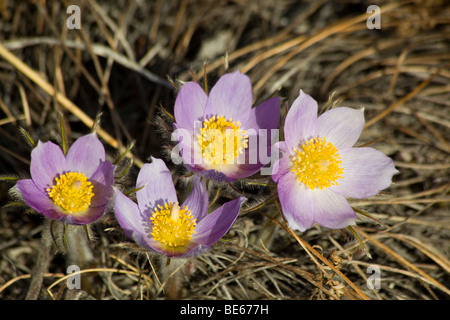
(75, 188)
(320, 167)
(220, 133)
(157, 222)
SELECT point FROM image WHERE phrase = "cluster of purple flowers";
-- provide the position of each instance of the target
(221, 137)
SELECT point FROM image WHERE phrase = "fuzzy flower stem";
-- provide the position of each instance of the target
(52, 234)
(172, 277)
(41, 267)
(86, 231)
(65, 228)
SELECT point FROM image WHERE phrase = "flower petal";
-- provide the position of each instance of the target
(212, 174)
(47, 162)
(228, 172)
(216, 224)
(103, 181)
(296, 202)
(189, 105)
(366, 172)
(38, 200)
(246, 165)
(231, 97)
(197, 201)
(157, 186)
(265, 116)
(261, 153)
(130, 218)
(282, 166)
(301, 119)
(86, 154)
(331, 209)
(341, 126)
(91, 215)
(135, 223)
(187, 150)
(243, 171)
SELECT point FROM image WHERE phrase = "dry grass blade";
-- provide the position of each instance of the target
(326, 32)
(27, 276)
(439, 258)
(93, 270)
(66, 103)
(119, 75)
(314, 253)
(404, 262)
(401, 101)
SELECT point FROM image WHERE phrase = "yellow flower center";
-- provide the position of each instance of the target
(72, 192)
(172, 226)
(222, 140)
(317, 164)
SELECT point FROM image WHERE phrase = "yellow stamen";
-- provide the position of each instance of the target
(72, 192)
(222, 140)
(317, 164)
(172, 226)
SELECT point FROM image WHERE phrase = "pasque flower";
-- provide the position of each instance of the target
(219, 133)
(159, 223)
(73, 188)
(320, 166)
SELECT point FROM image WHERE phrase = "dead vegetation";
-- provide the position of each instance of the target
(122, 62)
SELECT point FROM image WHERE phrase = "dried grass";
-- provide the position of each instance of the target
(124, 62)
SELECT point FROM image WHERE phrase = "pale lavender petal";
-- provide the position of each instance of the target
(301, 120)
(262, 121)
(297, 202)
(341, 126)
(38, 200)
(212, 174)
(47, 163)
(187, 150)
(130, 218)
(92, 214)
(197, 201)
(366, 172)
(85, 155)
(102, 180)
(283, 165)
(231, 97)
(157, 185)
(189, 105)
(244, 171)
(246, 165)
(215, 225)
(332, 210)
(264, 116)
(135, 223)
(228, 172)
